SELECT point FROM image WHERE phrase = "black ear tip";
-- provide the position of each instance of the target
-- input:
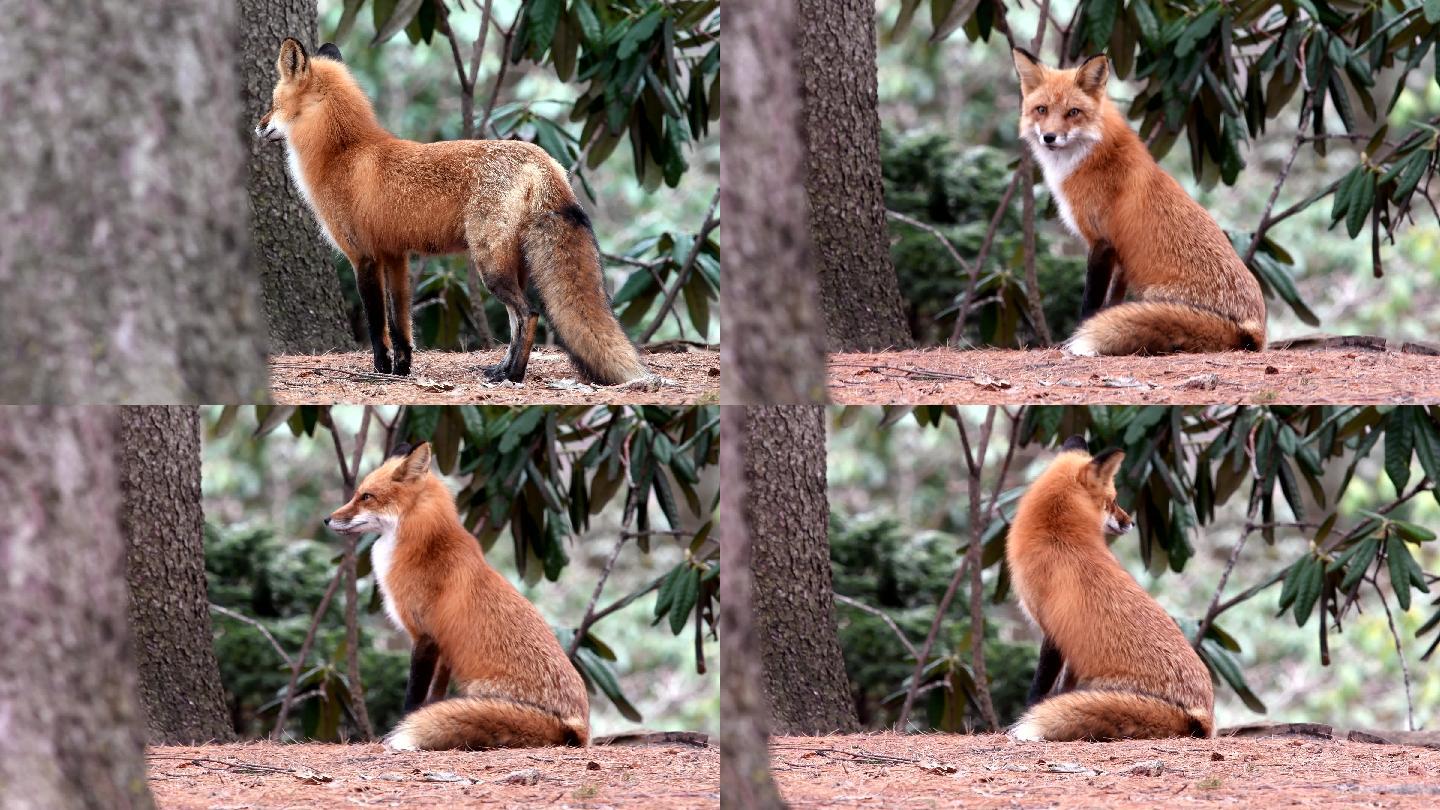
(1104, 456)
(1075, 443)
(330, 51)
(401, 449)
(1027, 55)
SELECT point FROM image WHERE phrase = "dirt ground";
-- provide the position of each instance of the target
(996, 376)
(988, 770)
(444, 378)
(270, 775)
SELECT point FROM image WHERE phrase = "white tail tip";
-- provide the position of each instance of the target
(1026, 731)
(1081, 346)
(401, 741)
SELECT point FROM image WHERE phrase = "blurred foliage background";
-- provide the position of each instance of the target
(626, 89)
(549, 492)
(1301, 633)
(1219, 92)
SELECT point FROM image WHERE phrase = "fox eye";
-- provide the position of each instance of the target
(1072, 112)
(365, 496)
(1040, 110)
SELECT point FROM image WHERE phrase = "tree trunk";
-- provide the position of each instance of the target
(73, 736)
(788, 514)
(774, 351)
(859, 292)
(123, 242)
(160, 517)
(745, 778)
(303, 300)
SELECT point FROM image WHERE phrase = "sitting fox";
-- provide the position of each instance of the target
(1128, 671)
(466, 621)
(1145, 234)
(509, 204)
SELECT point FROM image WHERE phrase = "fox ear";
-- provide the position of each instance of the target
(330, 51)
(293, 62)
(416, 463)
(1032, 73)
(1075, 443)
(1092, 75)
(1102, 468)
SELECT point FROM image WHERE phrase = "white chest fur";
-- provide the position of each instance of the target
(382, 555)
(1057, 166)
(292, 162)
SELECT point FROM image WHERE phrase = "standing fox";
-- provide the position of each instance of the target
(1194, 293)
(465, 620)
(379, 198)
(1128, 670)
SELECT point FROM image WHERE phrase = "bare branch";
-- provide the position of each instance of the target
(240, 617)
(889, 622)
(589, 619)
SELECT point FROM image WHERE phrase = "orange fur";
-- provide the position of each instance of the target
(379, 198)
(517, 686)
(1169, 249)
(1134, 674)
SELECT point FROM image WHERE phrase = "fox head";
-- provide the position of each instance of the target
(1096, 476)
(301, 87)
(385, 494)
(1060, 109)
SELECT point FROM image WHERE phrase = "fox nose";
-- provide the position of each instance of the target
(327, 521)
(1049, 137)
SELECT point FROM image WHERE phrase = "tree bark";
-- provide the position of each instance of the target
(303, 300)
(787, 512)
(745, 778)
(123, 239)
(72, 733)
(774, 349)
(161, 519)
(859, 291)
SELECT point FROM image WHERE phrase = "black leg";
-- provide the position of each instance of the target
(1097, 277)
(1046, 670)
(397, 285)
(422, 671)
(372, 294)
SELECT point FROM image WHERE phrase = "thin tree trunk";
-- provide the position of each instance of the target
(774, 349)
(304, 304)
(788, 514)
(745, 778)
(123, 225)
(161, 519)
(72, 732)
(859, 291)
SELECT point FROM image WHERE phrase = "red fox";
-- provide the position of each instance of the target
(465, 620)
(379, 198)
(1194, 293)
(1128, 670)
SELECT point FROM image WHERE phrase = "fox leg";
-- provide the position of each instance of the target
(440, 684)
(497, 256)
(423, 659)
(1046, 672)
(1098, 270)
(397, 284)
(372, 294)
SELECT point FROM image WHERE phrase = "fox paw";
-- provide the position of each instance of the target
(382, 364)
(496, 373)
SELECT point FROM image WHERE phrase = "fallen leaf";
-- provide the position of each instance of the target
(528, 776)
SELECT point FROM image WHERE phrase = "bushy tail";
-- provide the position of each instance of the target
(564, 264)
(1162, 327)
(1104, 714)
(484, 722)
